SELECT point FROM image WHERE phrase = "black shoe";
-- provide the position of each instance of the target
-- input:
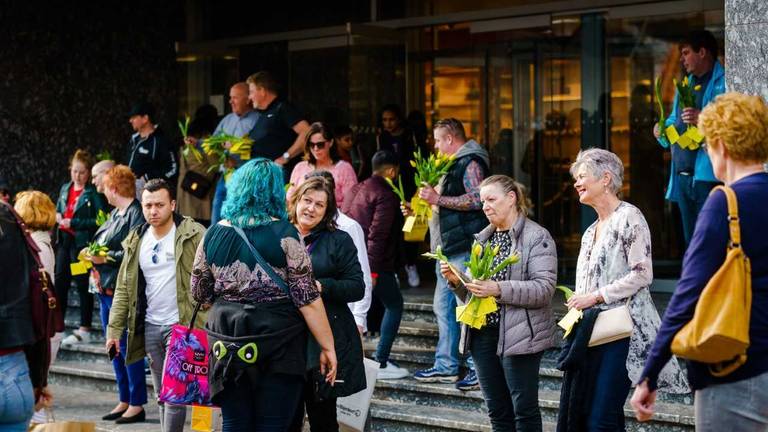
(114, 415)
(140, 417)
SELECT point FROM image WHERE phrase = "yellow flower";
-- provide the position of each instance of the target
(413, 164)
(477, 250)
(685, 81)
(438, 161)
(496, 250)
(697, 87)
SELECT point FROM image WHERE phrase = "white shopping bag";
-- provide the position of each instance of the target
(352, 410)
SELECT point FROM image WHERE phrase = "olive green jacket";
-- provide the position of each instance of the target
(129, 307)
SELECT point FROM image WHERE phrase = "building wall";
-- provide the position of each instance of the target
(746, 45)
(70, 72)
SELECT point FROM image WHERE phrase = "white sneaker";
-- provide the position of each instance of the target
(392, 371)
(77, 336)
(413, 276)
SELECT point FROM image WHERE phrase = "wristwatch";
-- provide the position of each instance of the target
(287, 156)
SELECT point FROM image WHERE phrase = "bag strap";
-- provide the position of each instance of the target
(192, 321)
(733, 215)
(35, 252)
(263, 263)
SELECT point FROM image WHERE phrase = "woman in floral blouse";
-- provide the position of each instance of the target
(614, 268)
(260, 312)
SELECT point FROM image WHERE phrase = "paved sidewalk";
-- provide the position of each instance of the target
(74, 403)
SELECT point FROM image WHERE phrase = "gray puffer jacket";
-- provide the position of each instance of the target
(526, 322)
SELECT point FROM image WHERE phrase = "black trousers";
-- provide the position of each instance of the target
(66, 253)
(321, 414)
(510, 384)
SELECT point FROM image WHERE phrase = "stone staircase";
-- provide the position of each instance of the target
(397, 405)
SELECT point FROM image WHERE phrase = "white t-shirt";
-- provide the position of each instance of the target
(158, 263)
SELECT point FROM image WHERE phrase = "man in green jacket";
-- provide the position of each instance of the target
(152, 291)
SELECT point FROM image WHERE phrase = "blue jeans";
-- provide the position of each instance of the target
(612, 386)
(738, 406)
(444, 306)
(692, 197)
(387, 290)
(510, 384)
(17, 398)
(219, 195)
(266, 407)
(131, 383)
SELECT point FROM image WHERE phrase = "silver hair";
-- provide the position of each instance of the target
(598, 162)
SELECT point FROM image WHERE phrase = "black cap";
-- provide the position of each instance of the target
(383, 158)
(4, 186)
(142, 108)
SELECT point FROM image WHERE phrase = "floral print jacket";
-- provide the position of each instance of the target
(619, 267)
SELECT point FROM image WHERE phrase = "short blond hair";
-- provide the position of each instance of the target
(741, 122)
(121, 178)
(36, 210)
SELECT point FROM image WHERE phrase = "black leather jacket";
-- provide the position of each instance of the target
(112, 234)
(15, 318)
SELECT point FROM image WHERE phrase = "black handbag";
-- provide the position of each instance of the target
(196, 184)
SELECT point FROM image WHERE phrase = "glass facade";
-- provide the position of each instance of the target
(533, 90)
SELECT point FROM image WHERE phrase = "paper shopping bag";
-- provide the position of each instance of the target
(67, 426)
(352, 410)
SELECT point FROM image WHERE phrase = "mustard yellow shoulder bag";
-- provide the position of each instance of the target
(718, 334)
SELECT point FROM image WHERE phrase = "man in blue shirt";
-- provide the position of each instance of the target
(238, 123)
(691, 176)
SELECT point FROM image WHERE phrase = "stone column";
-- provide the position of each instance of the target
(746, 46)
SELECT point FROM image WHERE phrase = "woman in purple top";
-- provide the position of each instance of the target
(736, 128)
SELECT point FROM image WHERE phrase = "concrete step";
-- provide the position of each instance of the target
(550, 378)
(414, 310)
(409, 392)
(398, 417)
(97, 376)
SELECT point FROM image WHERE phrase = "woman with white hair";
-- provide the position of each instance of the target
(614, 269)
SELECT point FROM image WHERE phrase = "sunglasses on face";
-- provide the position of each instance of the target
(318, 145)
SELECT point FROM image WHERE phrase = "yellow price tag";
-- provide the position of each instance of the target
(202, 419)
(672, 134)
(569, 320)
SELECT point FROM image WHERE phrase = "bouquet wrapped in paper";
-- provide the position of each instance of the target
(222, 146)
(480, 266)
(690, 139)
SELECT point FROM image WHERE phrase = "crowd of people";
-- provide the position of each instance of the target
(292, 268)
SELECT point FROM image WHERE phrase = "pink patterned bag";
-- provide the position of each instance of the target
(185, 374)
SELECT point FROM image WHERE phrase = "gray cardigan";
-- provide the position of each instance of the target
(526, 319)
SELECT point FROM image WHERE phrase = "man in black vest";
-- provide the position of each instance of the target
(456, 217)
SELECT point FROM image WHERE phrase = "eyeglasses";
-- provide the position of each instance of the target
(155, 251)
(318, 145)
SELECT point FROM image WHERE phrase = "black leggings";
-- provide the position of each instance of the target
(265, 407)
(66, 254)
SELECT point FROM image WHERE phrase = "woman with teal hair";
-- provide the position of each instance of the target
(254, 273)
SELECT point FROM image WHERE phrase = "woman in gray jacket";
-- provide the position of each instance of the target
(508, 349)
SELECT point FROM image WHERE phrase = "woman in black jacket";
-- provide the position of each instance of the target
(339, 278)
(119, 186)
(76, 211)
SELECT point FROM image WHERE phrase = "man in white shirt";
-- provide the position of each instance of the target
(152, 292)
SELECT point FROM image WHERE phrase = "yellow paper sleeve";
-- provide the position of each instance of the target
(202, 419)
(672, 134)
